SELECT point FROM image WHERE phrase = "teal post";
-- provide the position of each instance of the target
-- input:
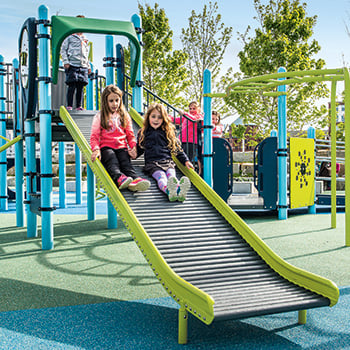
(19, 157)
(347, 156)
(90, 92)
(3, 157)
(137, 96)
(29, 127)
(77, 174)
(120, 70)
(282, 151)
(311, 134)
(45, 132)
(62, 174)
(207, 139)
(112, 213)
(97, 102)
(91, 181)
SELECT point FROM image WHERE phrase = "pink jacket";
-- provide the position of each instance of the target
(218, 130)
(116, 137)
(188, 127)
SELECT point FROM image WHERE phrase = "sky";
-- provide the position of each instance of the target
(330, 30)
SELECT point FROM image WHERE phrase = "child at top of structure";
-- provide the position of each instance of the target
(218, 128)
(75, 56)
(158, 142)
(189, 126)
(113, 141)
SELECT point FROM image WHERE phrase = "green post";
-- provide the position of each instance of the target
(183, 317)
(333, 156)
(302, 316)
(347, 156)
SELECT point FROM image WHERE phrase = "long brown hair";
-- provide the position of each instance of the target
(167, 127)
(105, 111)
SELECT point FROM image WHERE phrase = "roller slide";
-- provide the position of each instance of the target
(204, 255)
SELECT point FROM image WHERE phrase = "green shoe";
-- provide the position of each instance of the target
(184, 186)
(172, 187)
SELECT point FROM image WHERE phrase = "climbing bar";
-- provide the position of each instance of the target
(10, 143)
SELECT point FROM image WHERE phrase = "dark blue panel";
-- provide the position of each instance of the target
(222, 168)
(265, 171)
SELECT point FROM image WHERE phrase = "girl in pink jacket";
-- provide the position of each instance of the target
(113, 141)
(189, 133)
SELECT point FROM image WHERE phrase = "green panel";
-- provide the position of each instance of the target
(62, 26)
(294, 274)
(192, 298)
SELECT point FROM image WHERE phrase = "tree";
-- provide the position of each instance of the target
(282, 39)
(205, 42)
(164, 71)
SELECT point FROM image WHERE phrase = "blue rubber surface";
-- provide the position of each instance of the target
(152, 324)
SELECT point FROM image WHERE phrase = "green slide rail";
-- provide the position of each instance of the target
(183, 292)
(192, 299)
(308, 280)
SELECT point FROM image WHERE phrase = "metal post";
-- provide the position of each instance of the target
(91, 181)
(333, 155)
(347, 156)
(90, 92)
(311, 134)
(302, 316)
(3, 157)
(91, 201)
(77, 174)
(96, 91)
(112, 213)
(62, 174)
(19, 157)
(207, 139)
(120, 69)
(282, 151)
(45, 132)
(182, 332)
(29, 126)
(137, 96)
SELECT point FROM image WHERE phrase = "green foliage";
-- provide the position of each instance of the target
(341, 132)
(252, 135)
(238, 131)
(282, 39)
(205, 42)
(164, 71)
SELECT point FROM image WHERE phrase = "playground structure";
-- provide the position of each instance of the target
(264, 84)
(213, 270)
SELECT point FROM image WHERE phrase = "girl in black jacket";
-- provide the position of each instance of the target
(157, 140)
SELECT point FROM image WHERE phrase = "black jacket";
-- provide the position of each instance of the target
(155, 147)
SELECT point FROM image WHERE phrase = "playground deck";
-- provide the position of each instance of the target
(94, 290)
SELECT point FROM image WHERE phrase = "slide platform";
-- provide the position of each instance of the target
(205, 256)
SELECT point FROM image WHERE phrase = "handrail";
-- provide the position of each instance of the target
(10, 143)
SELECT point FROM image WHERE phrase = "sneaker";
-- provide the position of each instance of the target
(184, 186)
(69, 108)
(123, 182)
(80, 109)
(172, 188)
(139, 184)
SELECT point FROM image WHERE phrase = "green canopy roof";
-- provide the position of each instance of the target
(62, 26)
